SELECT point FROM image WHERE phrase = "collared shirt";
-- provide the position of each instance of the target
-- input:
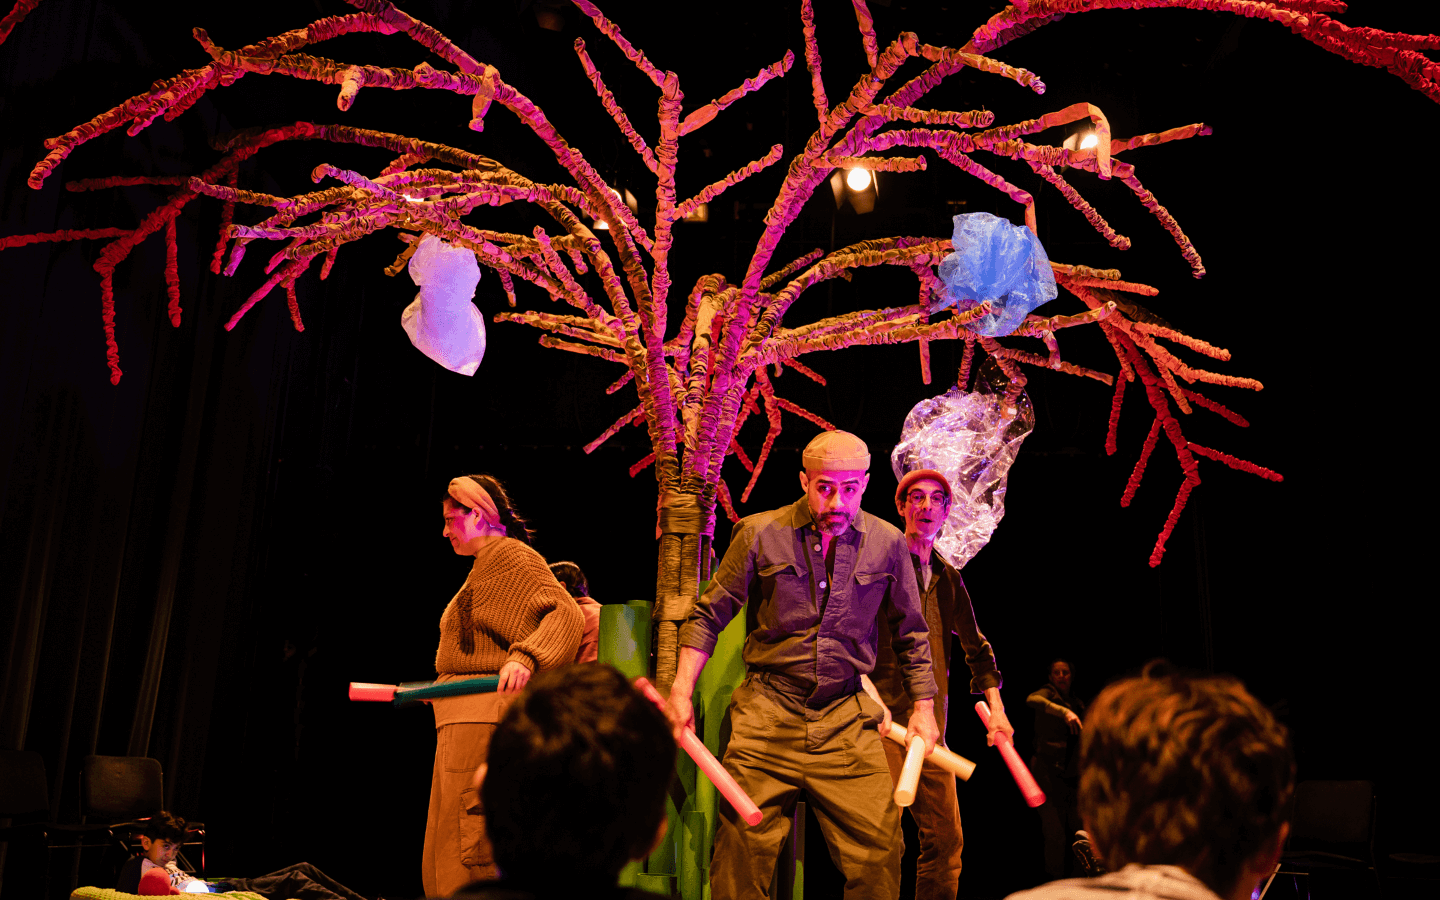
(816, 630)
(948, 612)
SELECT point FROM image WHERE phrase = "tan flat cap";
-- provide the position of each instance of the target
(836, 451)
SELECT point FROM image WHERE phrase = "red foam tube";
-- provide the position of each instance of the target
(381, 693)
(1023, 779)
(708, 764)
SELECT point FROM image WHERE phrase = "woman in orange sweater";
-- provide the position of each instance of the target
(511, 618)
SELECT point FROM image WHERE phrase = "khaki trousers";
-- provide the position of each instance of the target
(778, 747)
(457, 850)
(936, 812)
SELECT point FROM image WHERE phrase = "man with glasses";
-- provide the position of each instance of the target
(923, 500)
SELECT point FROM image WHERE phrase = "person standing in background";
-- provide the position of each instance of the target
(923, 501)
(1056, 762)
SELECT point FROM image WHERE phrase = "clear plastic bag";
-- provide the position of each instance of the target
(999, 262)
(442, 321)
(964, 436)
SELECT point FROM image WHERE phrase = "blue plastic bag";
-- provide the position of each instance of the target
(999, 262)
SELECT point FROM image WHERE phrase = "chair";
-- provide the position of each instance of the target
(126, 791)
(25, 801)
(1332, 831)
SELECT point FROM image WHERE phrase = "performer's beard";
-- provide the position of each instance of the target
(833, 523)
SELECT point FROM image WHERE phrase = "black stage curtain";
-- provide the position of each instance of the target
(195, 561)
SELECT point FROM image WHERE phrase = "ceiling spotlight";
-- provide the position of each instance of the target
(1090, 140)
(858, 187)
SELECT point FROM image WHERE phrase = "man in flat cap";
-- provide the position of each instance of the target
(819, 572)
(923, 501)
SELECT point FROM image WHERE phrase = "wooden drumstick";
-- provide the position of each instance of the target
(910, 772)
(946, 759)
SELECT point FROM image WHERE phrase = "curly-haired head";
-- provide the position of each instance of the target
(164, 826)
(1184, 770)
(577, 776)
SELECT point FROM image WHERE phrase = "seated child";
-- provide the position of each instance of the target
(161, 841)
(154, 873)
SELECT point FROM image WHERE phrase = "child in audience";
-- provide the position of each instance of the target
(154, 872)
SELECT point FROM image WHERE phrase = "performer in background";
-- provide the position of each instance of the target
(819, 572)
(1056, 763)
(923, 500)
(572, 579)
(511, 618)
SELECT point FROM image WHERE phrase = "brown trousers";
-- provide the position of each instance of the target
(936, 812)
(457, 851)
(779, 747)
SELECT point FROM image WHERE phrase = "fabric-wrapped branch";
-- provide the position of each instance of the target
(633, 416)
(877, 164)
(866, 253)
(1035, 325)
(1115, 285)
(612, 31)
(97, 184)
(984, 64)
(847, 320)
(15, 16)
(734, 178)
(601, 352)
(812, 61)
(1097, 221)
(1218, 408)
(1072, 273)
(607, 100)
(574, 293)
(64, 234)
(786, 271)
(1035, 359)
(750, 85)
(975, 118)
(890, 332)
(571, 326)
(1185, 340)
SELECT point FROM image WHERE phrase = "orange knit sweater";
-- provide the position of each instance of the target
(516, 610)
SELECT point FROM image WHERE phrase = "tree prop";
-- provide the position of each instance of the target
(698, 382)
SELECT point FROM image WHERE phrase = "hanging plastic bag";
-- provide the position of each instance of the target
(443, 322)
(966, 437)
(999, 262)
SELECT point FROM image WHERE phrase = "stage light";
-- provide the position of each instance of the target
(859, 187)
(1090, 140)
(857, 179)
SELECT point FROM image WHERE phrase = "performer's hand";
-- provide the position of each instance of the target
(513, 676)
(998, 723)
(681, 713)
(922, 723)
(869, 687)
(1073, 721)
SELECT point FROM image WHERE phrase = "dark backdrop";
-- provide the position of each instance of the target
(193, 563)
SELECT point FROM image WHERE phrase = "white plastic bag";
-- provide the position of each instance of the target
(443, 322)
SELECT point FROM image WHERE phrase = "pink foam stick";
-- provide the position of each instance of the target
(708, 763)
(380, 693)
(1026, 782)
